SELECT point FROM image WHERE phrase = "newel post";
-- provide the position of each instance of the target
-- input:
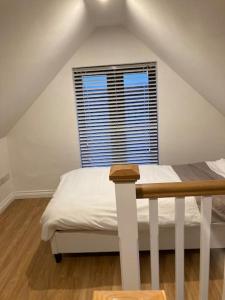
(124, 177)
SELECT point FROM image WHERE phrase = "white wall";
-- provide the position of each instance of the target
(7, 187)
(44, 143)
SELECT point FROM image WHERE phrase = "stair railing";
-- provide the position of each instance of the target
(127, 195)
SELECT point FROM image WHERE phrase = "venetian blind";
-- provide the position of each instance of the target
(117, 114)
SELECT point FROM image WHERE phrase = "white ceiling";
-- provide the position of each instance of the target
(106, 12)
(38, 37)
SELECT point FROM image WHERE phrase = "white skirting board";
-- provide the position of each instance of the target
(6, 202)
(33, 194)
(24, 195)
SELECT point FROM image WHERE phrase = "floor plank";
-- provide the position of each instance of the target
(28, 270)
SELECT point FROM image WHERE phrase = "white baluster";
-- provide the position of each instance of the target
(154, 242)
(128, 235)
(223, 298)
(206, 212)
(179, 247)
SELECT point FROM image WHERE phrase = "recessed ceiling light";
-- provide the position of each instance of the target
(103, 1)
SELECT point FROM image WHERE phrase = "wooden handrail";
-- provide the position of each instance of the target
(181, 189)
(130, 173)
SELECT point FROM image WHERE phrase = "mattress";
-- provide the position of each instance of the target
(85, 200)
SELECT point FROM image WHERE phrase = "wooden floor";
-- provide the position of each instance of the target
(28, 270)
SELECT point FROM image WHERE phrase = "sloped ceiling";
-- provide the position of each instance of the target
(38, 37)
(189, 36)
(36, 40)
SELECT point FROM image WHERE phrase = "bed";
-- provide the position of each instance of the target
(81, 217)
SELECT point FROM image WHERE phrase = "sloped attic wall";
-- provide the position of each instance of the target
(6, 186)
(44, 143)
(189, 36)
(37, 38)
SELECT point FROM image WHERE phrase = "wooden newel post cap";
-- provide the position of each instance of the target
(124, 173)
(134, 295)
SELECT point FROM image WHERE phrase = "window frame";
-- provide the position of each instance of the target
(108, 69)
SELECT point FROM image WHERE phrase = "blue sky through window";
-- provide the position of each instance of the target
(136, 81)
(92, 84)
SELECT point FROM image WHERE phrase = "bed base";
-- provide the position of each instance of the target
(58, 258)
(104, 241)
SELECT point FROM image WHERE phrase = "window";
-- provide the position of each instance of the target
(117, 114)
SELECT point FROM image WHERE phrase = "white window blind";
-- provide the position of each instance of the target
(117, 114)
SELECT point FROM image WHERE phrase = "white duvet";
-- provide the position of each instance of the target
(85, 200)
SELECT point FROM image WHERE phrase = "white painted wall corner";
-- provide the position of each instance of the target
(6, 202)
(24, 195)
